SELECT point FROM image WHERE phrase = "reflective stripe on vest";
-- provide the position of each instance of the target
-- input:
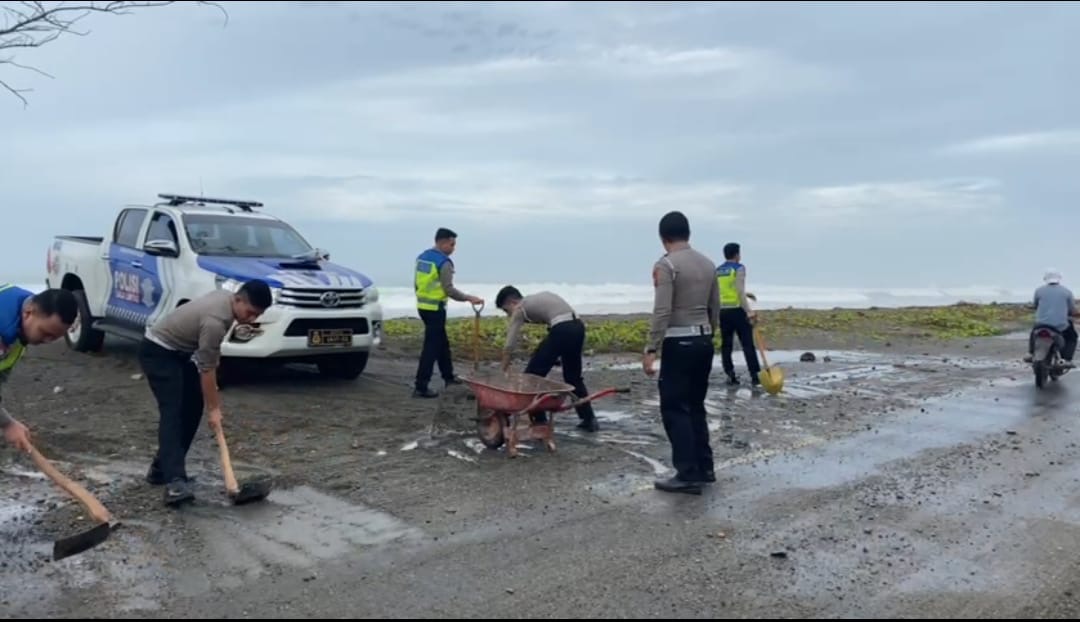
(14, 352)
(725, 278)
(430, 295)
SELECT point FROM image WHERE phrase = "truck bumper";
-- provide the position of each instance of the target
(289, 332)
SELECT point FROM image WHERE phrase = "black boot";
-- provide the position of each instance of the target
(154, 476)
(424, 393)
(178, 492)
(677, 485)
(733, 380)
(589, 425)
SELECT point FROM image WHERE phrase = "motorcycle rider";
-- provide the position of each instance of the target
(1055, 307)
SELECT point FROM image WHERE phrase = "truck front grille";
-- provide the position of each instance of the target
(321, 298)
(300, 327)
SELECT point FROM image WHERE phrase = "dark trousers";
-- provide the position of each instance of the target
(684, 383)
(565, 341)
(436, 349)
(174, 380)
(1068, 349)
(735, 322)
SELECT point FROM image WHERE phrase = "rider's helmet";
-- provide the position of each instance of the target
(1052, 277)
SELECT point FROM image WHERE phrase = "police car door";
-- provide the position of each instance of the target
(162, 248)
(124, 307)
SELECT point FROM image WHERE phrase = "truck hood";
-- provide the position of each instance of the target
(278, 272)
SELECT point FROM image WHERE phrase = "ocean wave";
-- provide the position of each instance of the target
(621, 298)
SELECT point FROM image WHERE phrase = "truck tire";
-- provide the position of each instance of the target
(82, 337)
(344, 366)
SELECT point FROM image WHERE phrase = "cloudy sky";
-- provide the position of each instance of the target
(843, 145)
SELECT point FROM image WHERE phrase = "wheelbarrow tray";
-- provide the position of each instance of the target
(514, 392)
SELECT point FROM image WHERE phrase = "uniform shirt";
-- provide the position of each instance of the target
(12, 301)
(1054, 306)
(198, 327)
(687, 293)
(539, 308)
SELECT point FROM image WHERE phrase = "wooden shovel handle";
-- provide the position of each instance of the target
(226, 464)
(476, 337)
(89, 502)
(761, 346)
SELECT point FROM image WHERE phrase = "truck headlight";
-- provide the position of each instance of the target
(229, 285)
(371, 294)
(246, 332)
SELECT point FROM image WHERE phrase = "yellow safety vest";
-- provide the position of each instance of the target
(725, 278)
(430, 295)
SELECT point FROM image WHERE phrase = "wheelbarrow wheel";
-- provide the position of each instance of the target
(489, 426)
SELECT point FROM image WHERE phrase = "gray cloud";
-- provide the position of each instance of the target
(866, 139)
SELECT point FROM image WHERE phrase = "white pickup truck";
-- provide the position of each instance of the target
(159, 257)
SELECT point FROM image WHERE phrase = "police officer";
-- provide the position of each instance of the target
(434, 284)
(27, 319)
(686, 311)
(736, 315)
(565, 341)
(179, 356)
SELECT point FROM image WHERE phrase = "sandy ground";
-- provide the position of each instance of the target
(917, 479)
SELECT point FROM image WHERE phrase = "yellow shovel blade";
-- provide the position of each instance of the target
(772, 380)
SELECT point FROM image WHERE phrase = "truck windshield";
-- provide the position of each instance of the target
(236, 236)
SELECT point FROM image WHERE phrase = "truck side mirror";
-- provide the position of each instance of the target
(161, 248)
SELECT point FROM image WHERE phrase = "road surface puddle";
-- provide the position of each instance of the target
(944, 421)
(297, 527)
(210, 545)
(776, 357)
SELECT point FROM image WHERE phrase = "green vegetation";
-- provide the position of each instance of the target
(627, 334)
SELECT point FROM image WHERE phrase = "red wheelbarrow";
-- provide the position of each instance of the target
(506, 401)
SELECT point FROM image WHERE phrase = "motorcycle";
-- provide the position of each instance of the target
(1046, 360)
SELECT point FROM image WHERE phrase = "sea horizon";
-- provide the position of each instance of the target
(625, 298)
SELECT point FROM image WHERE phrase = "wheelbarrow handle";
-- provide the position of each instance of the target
(595, 396)
(539, 399)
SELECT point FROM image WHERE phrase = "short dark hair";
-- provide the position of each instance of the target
(257, 293)
(444, 234)
(59, 302)
(507, 294)
(731, 249)
(674, 227)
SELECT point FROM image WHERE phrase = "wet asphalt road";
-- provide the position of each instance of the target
(969, 509)
(966, 505)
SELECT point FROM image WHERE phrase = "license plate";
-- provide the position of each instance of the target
(330, 337)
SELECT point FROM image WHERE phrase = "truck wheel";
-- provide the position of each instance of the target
(82, 337)
(344, 366)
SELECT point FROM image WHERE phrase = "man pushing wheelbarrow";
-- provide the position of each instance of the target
(565, 341)
(502, 400)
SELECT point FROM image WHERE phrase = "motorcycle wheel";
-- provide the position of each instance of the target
(1040, 374)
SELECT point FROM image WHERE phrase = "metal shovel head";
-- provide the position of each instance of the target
(73, 545)
(250, 492)
(772, 380)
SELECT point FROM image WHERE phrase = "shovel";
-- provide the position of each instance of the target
(250, 491)
(477, 309)
(73, 545)
(772, 378)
